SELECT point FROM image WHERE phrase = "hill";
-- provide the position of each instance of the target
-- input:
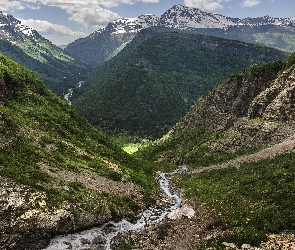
(58, 173)
(58, 70)
(238, 143)
(153, 84)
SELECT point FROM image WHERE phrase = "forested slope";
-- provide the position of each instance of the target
(162, 78)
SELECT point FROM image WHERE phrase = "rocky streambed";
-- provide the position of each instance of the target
(102, 237)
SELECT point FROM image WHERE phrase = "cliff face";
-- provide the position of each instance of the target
(220, 109)
(276, 103)
(255, 108)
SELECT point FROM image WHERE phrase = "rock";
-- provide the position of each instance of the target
(185, 210)
(246, 246)
(98, 240)
(84, 241)
(230, 245)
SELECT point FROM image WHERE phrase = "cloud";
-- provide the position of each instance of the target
(7, 5)
(45, 28)
(206, 4)
(250, 3)
(94, 13)
(91, 16)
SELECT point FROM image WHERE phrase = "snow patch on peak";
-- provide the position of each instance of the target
(185, 18)
(132, 25)
(11, 26)
(25, 29)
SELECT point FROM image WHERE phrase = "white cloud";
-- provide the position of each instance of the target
(206, 4)
(46, 27)
(250, 3)
(91, 17)
(8, 5)
(94, 13)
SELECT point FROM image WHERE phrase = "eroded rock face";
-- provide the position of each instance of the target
(27, 222)
(221, 108)
(270, 99)
(276, 103)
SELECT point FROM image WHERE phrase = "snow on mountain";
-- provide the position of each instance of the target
(130, 25)
(267, 20)
(11, 28)
(182, 17)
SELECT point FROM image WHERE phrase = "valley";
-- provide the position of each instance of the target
(87, 133)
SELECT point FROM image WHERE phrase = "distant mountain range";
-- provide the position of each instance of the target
(108, 41)
(26, 46)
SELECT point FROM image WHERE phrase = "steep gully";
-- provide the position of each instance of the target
(101, 237)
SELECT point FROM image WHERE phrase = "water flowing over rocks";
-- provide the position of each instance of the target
(101, 237)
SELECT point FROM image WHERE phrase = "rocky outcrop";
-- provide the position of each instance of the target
(269, 99)
(222, 107)
(27, 222)
(276, 103)
(251, 109)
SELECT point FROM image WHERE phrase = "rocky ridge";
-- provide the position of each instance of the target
(182, 17)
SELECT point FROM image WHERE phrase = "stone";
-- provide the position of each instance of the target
(246, 246)
(98, 240)
(230, 245)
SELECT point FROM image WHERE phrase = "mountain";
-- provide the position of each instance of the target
(154, 85)
(26, 46)
(238, 144)
(108, 41)
(57, 172)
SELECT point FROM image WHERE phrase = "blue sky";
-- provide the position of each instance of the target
(63, 21)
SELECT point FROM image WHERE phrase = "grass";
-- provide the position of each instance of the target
(191, 147)
(255, 200)
(39, 128)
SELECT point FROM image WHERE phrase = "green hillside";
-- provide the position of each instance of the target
(58, 70)
(267, 35)
(57, 172)
(103, 45)
(225, 141)
(158, 82)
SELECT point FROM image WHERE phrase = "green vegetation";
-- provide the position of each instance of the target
(255, 200)
(262, 71)
(192, 147)
(102, 45)
(154, 85)
(267, 35)
(39, 130)
(58, 70)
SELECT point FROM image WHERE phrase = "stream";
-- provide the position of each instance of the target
(101, 237)
(70, 91)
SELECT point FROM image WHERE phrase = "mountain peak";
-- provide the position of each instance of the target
(183, 17)
(10, 28)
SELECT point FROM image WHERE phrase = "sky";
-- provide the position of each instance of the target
(63, 21)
